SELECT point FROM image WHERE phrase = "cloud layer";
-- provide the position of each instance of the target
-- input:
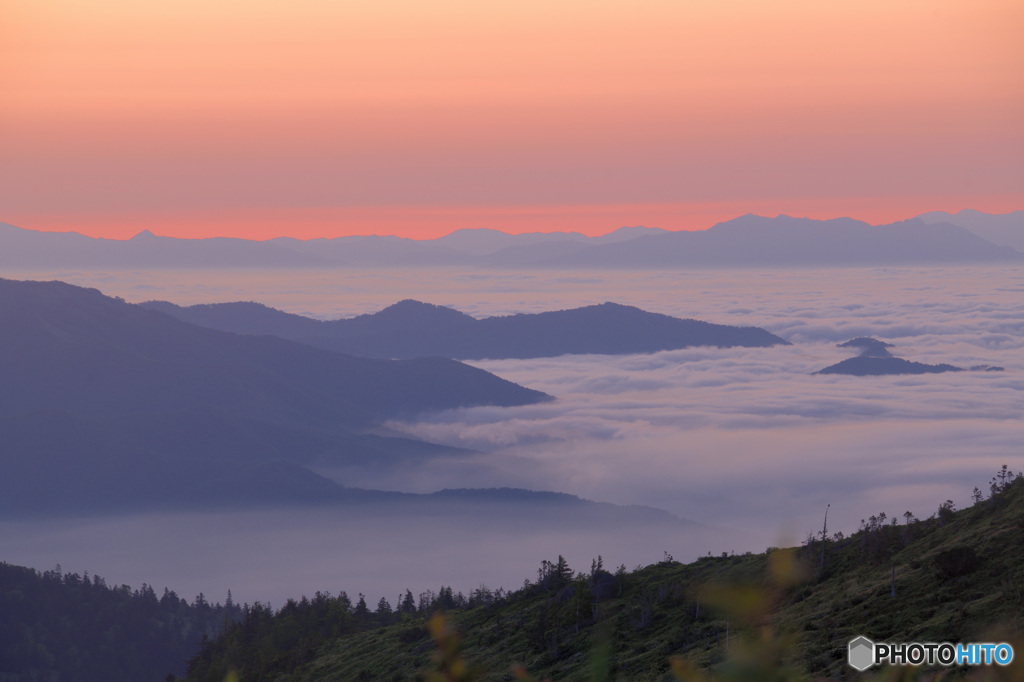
(750, 437)
(745, 439)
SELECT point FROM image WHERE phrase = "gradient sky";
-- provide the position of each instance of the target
(329, 117)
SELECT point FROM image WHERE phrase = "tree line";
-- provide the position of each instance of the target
(60, 626)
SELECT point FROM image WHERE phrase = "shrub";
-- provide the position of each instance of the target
(957, 561)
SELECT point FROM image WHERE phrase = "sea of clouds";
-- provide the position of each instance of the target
(749, 440)
(753, 438)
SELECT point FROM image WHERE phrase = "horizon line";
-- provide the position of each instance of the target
(149, 230)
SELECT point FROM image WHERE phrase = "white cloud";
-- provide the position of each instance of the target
(750, 436)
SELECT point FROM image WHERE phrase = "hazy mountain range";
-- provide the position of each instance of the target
(110, 405)
(1002, 230)
(410, 329)
(747, 241)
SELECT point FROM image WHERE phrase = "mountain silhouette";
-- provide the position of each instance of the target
(747, 241)
(876, 360)
(131, 406)
(756, 241)
(869, 347)
(410, 329)
(864, 365)
(1005, 230)
(72, 348)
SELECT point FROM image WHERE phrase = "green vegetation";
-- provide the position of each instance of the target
(785, 614)
(64, 626)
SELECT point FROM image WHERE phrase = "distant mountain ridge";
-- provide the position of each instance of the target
(746, 241)
(100, 355)
(1003, 230)
(108, 405)
(410, 329)
(755, 241)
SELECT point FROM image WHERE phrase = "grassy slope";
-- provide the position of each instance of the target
(652, 614)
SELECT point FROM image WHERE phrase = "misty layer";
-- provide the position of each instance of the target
(746, 437)
(751, 437)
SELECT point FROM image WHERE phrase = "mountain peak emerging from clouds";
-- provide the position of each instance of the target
(868, 346)
(875, 360)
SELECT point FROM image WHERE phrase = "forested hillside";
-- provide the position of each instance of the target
(58, 626)
(956, 576)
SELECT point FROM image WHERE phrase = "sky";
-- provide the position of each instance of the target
(318, 118)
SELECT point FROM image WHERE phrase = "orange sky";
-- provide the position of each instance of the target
(330, 117)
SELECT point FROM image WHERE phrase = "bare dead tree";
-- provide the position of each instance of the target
(824, 538)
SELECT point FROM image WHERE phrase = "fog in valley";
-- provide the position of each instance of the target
(275, 554)
(747, 441)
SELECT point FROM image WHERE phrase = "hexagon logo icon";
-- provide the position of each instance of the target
(861, 653)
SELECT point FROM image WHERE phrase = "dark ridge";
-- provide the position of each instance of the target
(865, 365)
(869, 347)
(987, 368)
(72, 348)
(109, 406)
(410, 329)
(876, 360)
(517, 494)
(241, 318)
